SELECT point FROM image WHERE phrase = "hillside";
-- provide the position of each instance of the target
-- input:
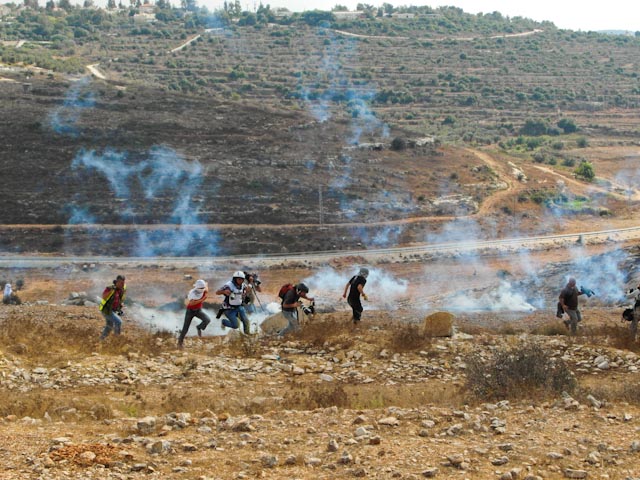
(200, 134)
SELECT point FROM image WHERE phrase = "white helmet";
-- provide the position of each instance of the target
(200, 284)
(239, 274)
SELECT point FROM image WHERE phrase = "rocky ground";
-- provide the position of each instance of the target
(333, 402)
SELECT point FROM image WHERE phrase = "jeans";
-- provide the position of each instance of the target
(292, 318)
(188, 317)
(232, 319)
(574, 317)
(113, 322)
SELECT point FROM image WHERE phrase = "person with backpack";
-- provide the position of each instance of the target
(234, 293)
(355, 287)
(195, 299)
(111, 306)
(568, 300)
(291, 296)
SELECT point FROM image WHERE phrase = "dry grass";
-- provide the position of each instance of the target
(58, 338)
(522, 371)
(408, 338)
(325, 331)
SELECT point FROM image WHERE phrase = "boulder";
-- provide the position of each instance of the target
(438, 324)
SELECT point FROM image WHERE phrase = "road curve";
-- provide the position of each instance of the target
(620, 235)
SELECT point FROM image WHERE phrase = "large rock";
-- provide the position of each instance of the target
(438, 324)
(273, 324)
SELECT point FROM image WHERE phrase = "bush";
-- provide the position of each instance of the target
(518, 373)
(582, 142)
(398, 144)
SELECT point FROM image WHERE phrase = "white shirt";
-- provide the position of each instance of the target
(7, 290)
(195, 294)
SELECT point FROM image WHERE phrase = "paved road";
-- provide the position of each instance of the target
(482, 246)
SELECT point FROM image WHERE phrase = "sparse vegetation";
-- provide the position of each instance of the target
(520, 372)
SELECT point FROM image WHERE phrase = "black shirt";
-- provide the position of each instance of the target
(354, 293)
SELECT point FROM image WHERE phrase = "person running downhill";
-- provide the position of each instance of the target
(111, 306)
(195, 300)
(234, 292)
(355, 286)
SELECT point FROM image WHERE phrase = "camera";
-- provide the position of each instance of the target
(309, 310)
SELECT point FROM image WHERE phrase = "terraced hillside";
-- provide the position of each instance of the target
(296, 135)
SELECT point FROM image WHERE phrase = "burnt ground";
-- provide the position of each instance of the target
(91, 167)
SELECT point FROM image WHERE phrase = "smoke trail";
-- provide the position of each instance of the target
(502, 298)
(64, 119)
(383, 289)
(163, 176)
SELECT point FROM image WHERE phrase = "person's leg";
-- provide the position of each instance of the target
(107, 327)
(188, 317)
(205, 321)
(246, 326)
(232, 318)
(117, 324)
(357, 311)
(573, 320)
(292, 325)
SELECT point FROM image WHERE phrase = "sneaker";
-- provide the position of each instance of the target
(199, 332)
(180, 346)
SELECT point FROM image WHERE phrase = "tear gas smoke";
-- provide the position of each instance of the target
(162, 174)
(384, 289)
(64, 119)
(503, 298)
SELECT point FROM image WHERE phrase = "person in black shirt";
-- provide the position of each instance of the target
(568, 300)
(355, 287)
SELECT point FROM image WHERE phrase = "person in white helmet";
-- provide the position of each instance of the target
(195, 298)
(234, 292)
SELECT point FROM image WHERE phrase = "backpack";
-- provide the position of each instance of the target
(284, 289)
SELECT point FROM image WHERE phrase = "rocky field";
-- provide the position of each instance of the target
(384, 400)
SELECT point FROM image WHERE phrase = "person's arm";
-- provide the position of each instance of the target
(346, 287)
(304, 295)
(561, 301)
(224, 291)
(361, 290)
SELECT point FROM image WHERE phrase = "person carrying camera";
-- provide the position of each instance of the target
(111, 306)
(290, 304)
(355, 286)
(569, 302)
(195, 299)
(234, 293)
(253, 286)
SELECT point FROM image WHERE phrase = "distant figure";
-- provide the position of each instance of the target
(290, 304)
(195, 299)
(6, 296)
(234, 293)
(568, 300)
(355, 286)
(633, 326)
(253, 286)
(111, 306)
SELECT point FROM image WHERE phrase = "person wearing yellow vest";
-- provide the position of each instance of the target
(111, 306)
